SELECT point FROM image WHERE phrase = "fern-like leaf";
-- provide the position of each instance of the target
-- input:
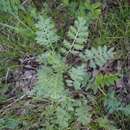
(98, 57)
(106, 124)
(54, 60)
(104, 80)
(112, 103)
(62, 118)
(50, 84)
(79, 77)
(107, 79)
(77, 37)
(46, 33)
(83, 114)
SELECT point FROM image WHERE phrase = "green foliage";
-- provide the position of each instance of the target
(54, 60)
(64, 109)
(83, 114)
(79, 78)
(106, 124)
(16, 40)
(68, 102)
(113, 29)
(46, 34)
(3, 89)
(63, 118)
(62, 114)
(106, 80)
(93, 10)
(98, 57)
(8, 123)
(50, 84)
(9, 6)
(50, 79)
(77, 37)
(113, 104)
(84, 8)
(125, 109)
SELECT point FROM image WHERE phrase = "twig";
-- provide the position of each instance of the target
(15, 101)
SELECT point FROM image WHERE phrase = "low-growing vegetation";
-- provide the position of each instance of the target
(64, 65)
